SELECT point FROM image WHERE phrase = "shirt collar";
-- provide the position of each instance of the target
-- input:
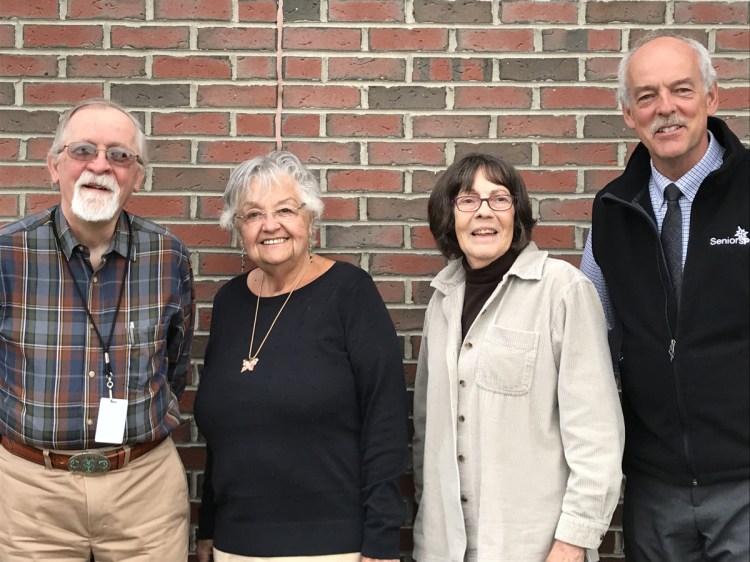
(68, 241)
(692, 180)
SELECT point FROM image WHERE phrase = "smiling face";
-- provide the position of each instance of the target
(272, 243)
(484, 235)
(669, 105)
(96, 191)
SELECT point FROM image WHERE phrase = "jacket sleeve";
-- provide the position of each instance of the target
(420, 410)
(591, 422)
(180, 330)
(375, 356)
(207, 509)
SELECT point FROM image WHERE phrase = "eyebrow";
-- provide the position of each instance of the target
(686, 80)
(255, 203)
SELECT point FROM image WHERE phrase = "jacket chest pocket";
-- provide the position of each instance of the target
(508, 361)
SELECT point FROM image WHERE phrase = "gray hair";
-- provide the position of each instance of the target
(62, 127)
(708, 73)
(267, 171)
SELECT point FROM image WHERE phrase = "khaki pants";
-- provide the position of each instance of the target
(136, 514)
(220, 556)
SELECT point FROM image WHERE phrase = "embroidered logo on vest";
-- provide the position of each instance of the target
(740, 237)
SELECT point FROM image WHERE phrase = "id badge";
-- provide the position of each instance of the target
(110, 425)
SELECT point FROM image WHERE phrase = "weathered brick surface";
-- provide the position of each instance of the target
(378, 96)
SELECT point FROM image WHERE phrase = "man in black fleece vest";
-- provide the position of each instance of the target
(681, 341)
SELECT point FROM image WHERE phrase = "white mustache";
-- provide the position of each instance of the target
(101, 180)
(666, 122)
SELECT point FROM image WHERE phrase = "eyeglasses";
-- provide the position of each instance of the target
(283, 214)
(87, 152)
(471, 203)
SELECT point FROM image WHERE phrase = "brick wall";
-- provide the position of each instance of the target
(379, 96)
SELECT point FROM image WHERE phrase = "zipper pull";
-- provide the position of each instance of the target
(671, 350)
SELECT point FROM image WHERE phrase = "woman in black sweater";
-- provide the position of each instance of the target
(302, 396)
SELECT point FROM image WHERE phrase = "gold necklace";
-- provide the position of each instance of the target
(252, 360)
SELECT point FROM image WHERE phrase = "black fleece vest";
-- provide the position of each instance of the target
(686, 417)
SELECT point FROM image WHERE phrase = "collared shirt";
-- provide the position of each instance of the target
(51, 360)
(689, 185)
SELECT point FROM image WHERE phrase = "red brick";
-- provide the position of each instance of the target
(537, 12)
(105, 66)
(210, 207)
(423, 181)
(696, 13)
(8, 203)
(484, 40)
(28, 65)
(112, 10)
(600, 68)
(163, 150)
(257, 10)
(38, 148)
(594, 180)
(191, 67)
(451, 126)
(633, 11)
(210, 263)
(732, 40)
(421, 238)
(366, 10)
(27, 9)
(565, 209)
(256, 67)
(578, 154)
(335, 97)
(193, 9)
(353, 68)
(731, 69)
(231, 151)
(235, 38)
(24, 176)
(442, 69)
(565, 97)
(255, 125)
(391, 291)
(81, 36)
(405, 264)
(734, 98)
(55, 93)
(365, 180)
(407, 318)
(150, 37)
(9, 149)
(193, 457)
(324, 152)
(159, 206)
(311, 39)
(536, 125)
(550, 181)
(303, 68)
(184, 123)
(7, 36)
(366, 126)
(492, 97)
(198, 234)
(237, 96)
(191, 178)
(424, 154)
(40, 201)
(554, 237)
(340, 208)
(424, 39)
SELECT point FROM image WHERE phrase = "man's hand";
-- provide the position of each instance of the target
(565, 552)
(205, 550)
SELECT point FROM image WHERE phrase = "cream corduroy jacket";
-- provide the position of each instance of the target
(540, 430)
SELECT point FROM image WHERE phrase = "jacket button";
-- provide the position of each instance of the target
(464, 499)
(461, 458)
(461, 419)
(462, 382)
(468, 345)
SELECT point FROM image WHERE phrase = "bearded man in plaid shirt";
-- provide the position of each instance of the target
(96, 323)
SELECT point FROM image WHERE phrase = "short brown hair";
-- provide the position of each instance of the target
(459, 178)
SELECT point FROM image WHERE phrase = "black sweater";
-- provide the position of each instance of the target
(306, 451)
(686, 420)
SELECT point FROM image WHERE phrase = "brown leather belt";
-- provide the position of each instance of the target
(87, 462)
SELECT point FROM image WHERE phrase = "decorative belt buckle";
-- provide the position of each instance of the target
(88, 463)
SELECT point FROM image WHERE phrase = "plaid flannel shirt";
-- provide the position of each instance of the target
(51, 361)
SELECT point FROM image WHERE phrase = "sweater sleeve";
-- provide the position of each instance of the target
(591, 422)
(207, 509)
(375, 356)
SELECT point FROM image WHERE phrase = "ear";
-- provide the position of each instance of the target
(52, 164)
(140, 179)
(712, 99)
(627, 114)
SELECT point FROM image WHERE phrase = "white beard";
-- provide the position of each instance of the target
(96, 205)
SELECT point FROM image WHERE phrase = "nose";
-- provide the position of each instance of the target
(269, 221)
(665, 103)
(99, 164)
(484, 209)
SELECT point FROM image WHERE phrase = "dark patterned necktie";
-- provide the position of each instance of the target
(671, 236)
